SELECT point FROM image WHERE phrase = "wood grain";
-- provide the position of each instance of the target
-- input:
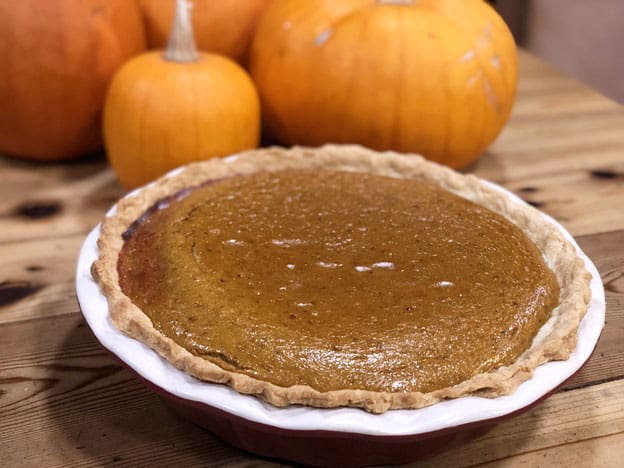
(578, 416)
(43, 201)
(64, 401)
(37, 278)
(607, 252)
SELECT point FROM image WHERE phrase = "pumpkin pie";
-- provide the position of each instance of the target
(340, 276)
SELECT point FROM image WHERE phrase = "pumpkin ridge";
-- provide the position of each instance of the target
(172, 85)
(480, 75)
(349, 90)
(144, 104)
(483, 72)
(401, 80)
(337, 22)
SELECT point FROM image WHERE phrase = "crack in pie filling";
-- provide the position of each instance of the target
(340, 276)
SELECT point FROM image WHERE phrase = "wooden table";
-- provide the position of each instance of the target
(64, 401)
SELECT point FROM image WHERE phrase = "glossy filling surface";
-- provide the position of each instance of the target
(338, 280)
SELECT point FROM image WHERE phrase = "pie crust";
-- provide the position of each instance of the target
(554, 341)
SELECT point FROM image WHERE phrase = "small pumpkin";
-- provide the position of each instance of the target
(221, 26)
(56, 60)
(168, 109)
(436, 77)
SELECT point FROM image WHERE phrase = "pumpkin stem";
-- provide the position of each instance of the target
(181, 46)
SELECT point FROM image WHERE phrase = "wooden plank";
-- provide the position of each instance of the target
(563, 197)
(51, 200)
(65, 402)
(607, 362)
(37, 278)
(577, 417)
(538, 78)
(584, 200)
(601, 452)
(569, 137)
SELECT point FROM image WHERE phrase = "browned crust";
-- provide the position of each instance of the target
(555, 340)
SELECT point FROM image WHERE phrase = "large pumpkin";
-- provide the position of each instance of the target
(437, 77)
(221, 26)
(56, 60)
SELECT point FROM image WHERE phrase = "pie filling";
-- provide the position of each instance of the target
(338, 280)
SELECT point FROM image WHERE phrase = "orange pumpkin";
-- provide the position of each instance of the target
(221, 26)
(56, 60)
(165, 110)
(436, 77)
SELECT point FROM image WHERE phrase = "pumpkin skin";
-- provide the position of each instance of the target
(160, 114)
(436, 77)
(220, 26)
(57, 58)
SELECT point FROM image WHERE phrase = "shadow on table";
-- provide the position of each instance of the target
(101, 413)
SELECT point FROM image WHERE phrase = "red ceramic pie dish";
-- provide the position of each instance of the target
(339, 436)
(324, 447)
